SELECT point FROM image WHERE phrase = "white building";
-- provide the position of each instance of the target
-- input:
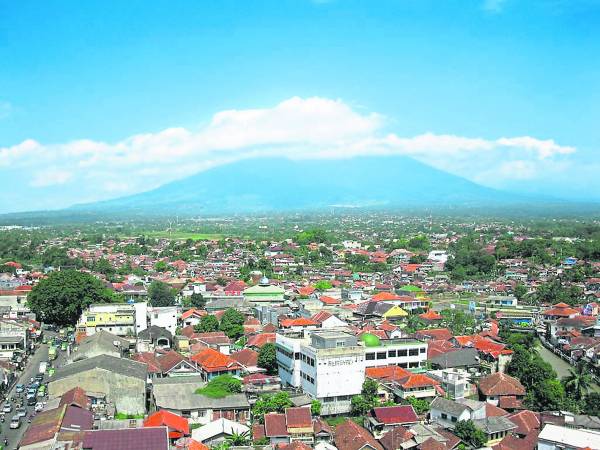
(329, 365)
(554, 437)
(163, 316)
(351, 245)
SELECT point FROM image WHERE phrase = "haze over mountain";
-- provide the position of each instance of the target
(280, 185)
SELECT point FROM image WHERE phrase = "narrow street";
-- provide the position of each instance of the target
(31, 370)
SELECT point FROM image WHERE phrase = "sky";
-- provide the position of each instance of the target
(100, 99)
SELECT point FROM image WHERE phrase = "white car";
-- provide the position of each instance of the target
(15, 422)
(39, 406)
(7, 408)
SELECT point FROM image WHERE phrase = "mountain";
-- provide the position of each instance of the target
(283, 185)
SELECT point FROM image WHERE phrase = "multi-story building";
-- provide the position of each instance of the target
(164, 317)
(116, 318)
(329, 365)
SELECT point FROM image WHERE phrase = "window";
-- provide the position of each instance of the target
(444, 416)
(381, 355)
(370, 356)
(392, 353)
(402, 352)
(339, 344)
(422, 350)
(454, 419)
(413, 352)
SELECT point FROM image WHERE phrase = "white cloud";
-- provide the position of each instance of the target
(295, 128)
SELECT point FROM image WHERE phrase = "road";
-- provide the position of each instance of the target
(560, 366)
(31, 370)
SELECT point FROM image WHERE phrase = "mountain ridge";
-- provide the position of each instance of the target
(283, 185)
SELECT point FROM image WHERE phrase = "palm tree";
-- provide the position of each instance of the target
(238, 439)
(579, 380)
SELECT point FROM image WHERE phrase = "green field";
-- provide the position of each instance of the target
(183, 235)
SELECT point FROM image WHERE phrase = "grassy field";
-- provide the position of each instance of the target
(183, 235)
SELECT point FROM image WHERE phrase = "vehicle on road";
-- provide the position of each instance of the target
(21, 412)
(39, 378)
(41, 391)
(39, 406)
(31, 401)
(20, 388)
(43, 367)
(52, 353)
(7, 408)
(15, 422)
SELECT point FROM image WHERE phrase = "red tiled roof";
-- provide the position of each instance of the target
(329, 300)
(387, 296)
(178, 426)
(213, 361)
(75, 396)
(510, 402)
(275, 425)
(193, 312)
(299, 322)
(298, 417)
(321, 316)
(441, 334)
(494, 411)
(500, 384)
(395, 414)
(296, 445)
(430, 315)
(258, 340)
(526, 421)
(394, 438)
(351, 436)
(246, 357)
(432, 444)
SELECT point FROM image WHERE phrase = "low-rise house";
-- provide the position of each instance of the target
(553, 437)
(151, 438)
(217, 431)
(121, 381)
(351, 436)
(116, 318)
(154, 337)
(101, 343)
(382, 419)
(178, 426)
(178, 395)
(502, 390)
(213, 363)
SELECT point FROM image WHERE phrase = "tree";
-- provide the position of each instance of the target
(267, 359)
(591, 405)
(161, 294)
(315, 408)
(359, 406)
(239, 439)
(419, 405)
(469, 433)
(370, 390)
(323, 285)
(546, 395)
(232, 323)
(578, 381)
(271, 403)
(207, 324)
(196, 300)
(60, 298)
(161, 266)
(520, 291)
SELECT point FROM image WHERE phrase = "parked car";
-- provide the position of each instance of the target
(20, 388)
(7, 408)
(15, 422)
(31, 400)
(39, 406)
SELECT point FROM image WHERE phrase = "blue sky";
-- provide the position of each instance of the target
(100, 99)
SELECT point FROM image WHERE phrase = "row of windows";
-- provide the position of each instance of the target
(308, 360)
(452, 418)
(394, 353)
(307, 377)
(339, 398)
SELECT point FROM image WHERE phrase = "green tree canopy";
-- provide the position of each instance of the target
(60, 298)
(271, 403)
(267, 359)
(232, 323)
(196, 300)
(207, 324)
(161, 294)
(469, 433)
